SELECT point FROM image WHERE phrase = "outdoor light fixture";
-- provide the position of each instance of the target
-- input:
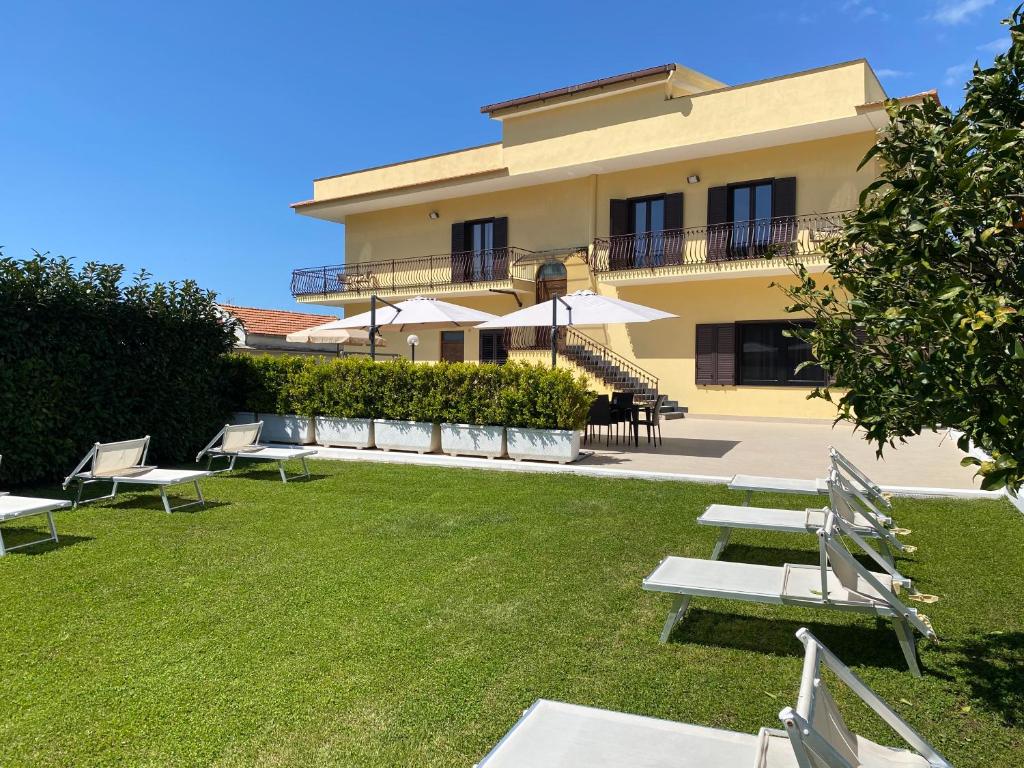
(413, 341)
(692, 179)
(434, 215)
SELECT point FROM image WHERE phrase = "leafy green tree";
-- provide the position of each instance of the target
(922, 327)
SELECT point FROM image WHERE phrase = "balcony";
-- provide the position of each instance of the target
(762, 246)
(452, 274)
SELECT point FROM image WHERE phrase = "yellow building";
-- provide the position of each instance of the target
(663, 187)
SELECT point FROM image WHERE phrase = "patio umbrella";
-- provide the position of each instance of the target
(422, 312)
(318, 334)
(579, 308)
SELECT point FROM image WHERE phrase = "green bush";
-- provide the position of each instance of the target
(86, 357)
(542, 398)
(345, 388)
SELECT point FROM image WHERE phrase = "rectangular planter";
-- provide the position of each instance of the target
(347, 433)
(561, 445)
(286, 428)
(418, 436)
(472, 440)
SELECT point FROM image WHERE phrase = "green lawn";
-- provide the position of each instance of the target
(384, 615)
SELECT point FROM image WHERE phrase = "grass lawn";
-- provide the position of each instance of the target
(385, 615)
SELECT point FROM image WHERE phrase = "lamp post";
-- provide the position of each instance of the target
(413, 341)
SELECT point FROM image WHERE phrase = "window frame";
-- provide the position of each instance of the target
(741, 325)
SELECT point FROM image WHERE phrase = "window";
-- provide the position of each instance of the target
(480, 250)
(480, 239)
(453, 346)
(767, 357)
(492, 347)
(750, 213)
(647, 214)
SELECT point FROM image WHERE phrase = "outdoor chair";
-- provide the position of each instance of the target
(623, 411)
(856, 509)
(236, 441)
(601, 416)
(819, 486)
(653, 420)
(13, 507)
(124, 463)
(839, 582)
(551, 734)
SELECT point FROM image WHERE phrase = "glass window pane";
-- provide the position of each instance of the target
(488, 235)
(763, 201)
(760, 354)
(797, 351)
(657, 221)
(741, 204)
(640, 216)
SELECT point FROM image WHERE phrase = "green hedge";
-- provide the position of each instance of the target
(86, 357)
(514, 394)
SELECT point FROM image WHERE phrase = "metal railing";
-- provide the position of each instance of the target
(780, 237)
(591, 355)
(421, 272)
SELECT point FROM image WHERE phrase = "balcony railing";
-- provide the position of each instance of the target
(420, 273)
(781, 237)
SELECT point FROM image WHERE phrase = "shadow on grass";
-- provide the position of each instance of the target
(994, 667)
(14, 537)
(272, 475)
(153, 503)
(870, 646)
(761, 555)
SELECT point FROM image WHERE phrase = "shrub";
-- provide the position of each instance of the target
(345, 388)
(86, 357)
(541, 398)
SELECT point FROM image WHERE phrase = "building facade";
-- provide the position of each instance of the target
(663, 187)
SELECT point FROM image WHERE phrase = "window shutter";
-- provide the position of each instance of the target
(500, 247)
(458, 237)
(674, 223)
(486, 347)
(460, 261)
(784, 213)
(718, 229)
(716, 354)
(618, 218)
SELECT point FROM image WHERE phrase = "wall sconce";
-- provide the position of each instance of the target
(434, 215)
(692, 179)
(413, 341)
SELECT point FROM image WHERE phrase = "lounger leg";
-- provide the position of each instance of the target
(886, 552)
(722, 543)
(3, 550)
(675, 615)
(53, 526)
(199, 493)
(280, 468)
(305, 467)
(163, 497)
(905, 633)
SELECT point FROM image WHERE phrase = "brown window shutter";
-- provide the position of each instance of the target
(618, 218)
(716, 353)
(458, 237)
(460, 260)
(486, 347)
(673, 224)
(718, 229)
(500, 247)
(784, 212)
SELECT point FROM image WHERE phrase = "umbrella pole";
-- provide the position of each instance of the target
(554, 333)
(373, 327)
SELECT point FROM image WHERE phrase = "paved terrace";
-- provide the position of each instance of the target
(713, 450)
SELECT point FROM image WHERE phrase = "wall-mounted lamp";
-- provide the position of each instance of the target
(692, 179)
(434, 215)
(413, 341)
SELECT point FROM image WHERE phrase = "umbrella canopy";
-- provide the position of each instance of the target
(321, 334)
(421, 312)
(579, 308)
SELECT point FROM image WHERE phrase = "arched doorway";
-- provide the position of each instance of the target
(551, 281)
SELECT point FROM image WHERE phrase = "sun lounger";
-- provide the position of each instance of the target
(816, 487)
(551, 734)
(13, 507)
(124, 463)
(855, 508)
(838, 582)
(243, 441)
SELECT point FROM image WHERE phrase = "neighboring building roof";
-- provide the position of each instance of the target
(914, 98)
(663, 69)
(274, 322)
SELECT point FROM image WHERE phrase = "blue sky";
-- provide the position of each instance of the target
(173, 136)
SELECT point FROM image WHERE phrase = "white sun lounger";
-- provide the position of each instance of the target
(555, 735)
(124, 463)
(242, 441)
(839, 582)
(13, 507)
(816, 487)
(853, 506)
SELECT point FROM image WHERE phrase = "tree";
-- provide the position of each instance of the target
(922, 327)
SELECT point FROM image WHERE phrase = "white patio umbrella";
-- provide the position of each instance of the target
(422, 312)
(579, 308)
(319, 334)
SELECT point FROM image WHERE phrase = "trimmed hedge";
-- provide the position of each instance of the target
(84, 357)
(514, 394)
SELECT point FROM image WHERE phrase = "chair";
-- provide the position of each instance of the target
(124, 463)
(623, 411)
(857, 510)
(13, 507)
(653, 420)
(601, 416)
(839, 582)
(242, 440)
(551, 734)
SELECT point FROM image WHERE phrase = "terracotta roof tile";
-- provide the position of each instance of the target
(274, 322)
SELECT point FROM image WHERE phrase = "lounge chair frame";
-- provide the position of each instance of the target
(215, 450)
(139, 473)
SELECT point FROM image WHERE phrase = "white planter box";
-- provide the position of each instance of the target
(561, 445)
(286, 428)
(348, 433)
(419, 436)
(472, 440)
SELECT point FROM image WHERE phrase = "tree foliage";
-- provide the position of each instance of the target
(85, 356)
(922, 327)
